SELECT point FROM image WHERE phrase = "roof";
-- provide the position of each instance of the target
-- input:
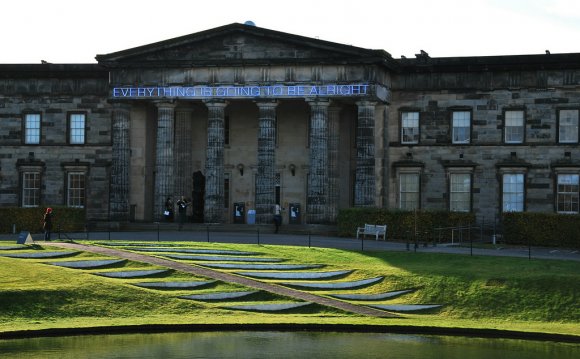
(218, 46)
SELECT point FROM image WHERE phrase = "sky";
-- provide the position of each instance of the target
(75, 31)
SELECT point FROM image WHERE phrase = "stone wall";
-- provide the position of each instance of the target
(54, 91)
(487, 95)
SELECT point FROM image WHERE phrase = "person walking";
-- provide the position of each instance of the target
(168, 212)
(182, 210)
(277, 217)
(47, 224)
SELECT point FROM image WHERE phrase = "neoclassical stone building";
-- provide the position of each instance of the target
(239, 118)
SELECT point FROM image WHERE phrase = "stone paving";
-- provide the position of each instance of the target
(266, 236)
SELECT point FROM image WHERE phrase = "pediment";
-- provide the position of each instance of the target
(241, 44)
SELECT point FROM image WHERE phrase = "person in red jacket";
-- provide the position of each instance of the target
(47, 224)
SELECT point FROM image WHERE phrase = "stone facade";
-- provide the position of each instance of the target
(244, 115)
(539, 86)
(55, 92)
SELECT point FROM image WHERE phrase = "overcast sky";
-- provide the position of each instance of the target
(74, 31)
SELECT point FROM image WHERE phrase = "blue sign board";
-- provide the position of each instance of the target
(273, 91)
(24, 238)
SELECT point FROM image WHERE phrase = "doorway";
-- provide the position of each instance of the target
(198, 196)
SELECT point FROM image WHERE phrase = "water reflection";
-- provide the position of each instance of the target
(282, 345)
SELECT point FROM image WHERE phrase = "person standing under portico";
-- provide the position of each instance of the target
(182, 209)
(47, 224)
(277, 217)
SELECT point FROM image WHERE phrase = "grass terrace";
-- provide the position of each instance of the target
(537, 296)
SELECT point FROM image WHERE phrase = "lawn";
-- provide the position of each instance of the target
(476, 292)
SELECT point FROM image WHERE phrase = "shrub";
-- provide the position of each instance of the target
(30, 219)
(401, 224)
(541, 229)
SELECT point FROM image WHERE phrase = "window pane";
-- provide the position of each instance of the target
(460, 192)
(410, 127)
(514, 126)
(32, 128)
(30, 189)
(409, 191)
(76, 189)
(568, 130)
(567, 197)
(226, 190)
(513, 192)
(461, 127)
(77, 128)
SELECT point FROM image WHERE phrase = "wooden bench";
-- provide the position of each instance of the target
(373, 230)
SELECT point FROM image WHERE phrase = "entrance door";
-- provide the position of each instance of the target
(198, 196)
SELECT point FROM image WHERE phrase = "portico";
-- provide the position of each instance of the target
(263, 129)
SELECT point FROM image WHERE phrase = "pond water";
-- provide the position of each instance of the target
(304, 345)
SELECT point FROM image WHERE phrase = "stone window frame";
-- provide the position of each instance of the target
(559, 127)
(25, 128)
(73, 194)
(30, 167)
(401, 126)
(71, 133)
(25, 190)
(513, 171)
(505, 132)
(451, 172)
(457, 110)
(415, 171)
(408, 166)
(75, 167)
(564, 171)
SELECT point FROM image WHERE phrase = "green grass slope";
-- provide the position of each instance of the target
(476, 292)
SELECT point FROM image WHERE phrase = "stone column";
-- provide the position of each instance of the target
(164, 171)
(214, 163)
(120, 164)
(365, 189)
(183, 153)
(266, 175)
(317, 194)
(333, 170)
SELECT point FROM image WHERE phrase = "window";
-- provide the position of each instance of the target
(567, 193)
(514, 127)
(461, 127)
(32, 128)
(30, 189)
(409, 191)
(568, 126)
(409, 127)
(277, 193)
(226, 190)
(460, 192)
(513, 192)
(226, 130)
(77, 128)
(76, 189)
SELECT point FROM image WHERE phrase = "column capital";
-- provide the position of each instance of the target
(121, 106)
(215, 103)
(164, 104)
(266, 103)
(323, 101)
(366, 103)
